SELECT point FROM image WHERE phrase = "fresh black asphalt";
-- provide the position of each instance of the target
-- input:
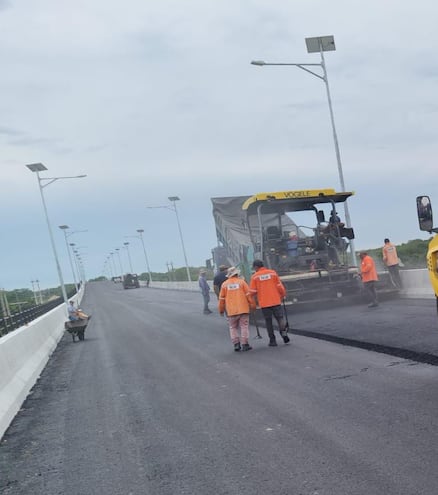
(406, 328)
(156, 402)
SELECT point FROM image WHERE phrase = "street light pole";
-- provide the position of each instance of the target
(72, 246)
(140, 231)
(169, 273)
(39, 291)
(82, 269)
(110, 266)
(37, 168)
(173, 200)
(64, 230)
(78, 260)
(114, 263)
(140, 236)
(120, 262)
(322, 44)
(126, 244)
(34, 292)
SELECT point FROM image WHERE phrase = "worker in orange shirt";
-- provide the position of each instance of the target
(369, 277)
(390, 258)
(236, 299)
(270, 291)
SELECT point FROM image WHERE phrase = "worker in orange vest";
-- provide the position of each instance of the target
(270, 291)
(236, 299)
(390, 258)
(369, 277)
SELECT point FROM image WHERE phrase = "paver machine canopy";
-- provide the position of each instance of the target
(290, 247)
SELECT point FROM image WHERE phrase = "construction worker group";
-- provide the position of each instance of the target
(237, 299)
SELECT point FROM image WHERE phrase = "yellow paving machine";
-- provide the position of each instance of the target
(298, 233)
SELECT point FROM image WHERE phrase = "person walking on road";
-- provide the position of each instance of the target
(205, 290)
(369, 278)
(390, 258)
(219, 279)
(270, 291)
(236, 299)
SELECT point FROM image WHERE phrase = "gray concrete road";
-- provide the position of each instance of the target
(155, 401)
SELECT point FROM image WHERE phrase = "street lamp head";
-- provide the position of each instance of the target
(126, 243)
(36, 167)
(140, 231)
(260, 63)
(173, 198)
(81, 176)
(64, 227)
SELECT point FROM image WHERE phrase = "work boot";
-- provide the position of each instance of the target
(272, 342)
(284, 336)
(237, 347)
(246, 347)
(373, 305)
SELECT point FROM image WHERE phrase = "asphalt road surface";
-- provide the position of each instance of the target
(155, 401)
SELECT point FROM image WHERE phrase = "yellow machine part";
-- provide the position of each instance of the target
(432, 263)
(310, 196)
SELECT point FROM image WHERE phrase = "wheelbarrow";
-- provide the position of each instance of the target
(77, 328)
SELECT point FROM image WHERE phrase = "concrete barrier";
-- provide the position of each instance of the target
(23, 355)
(416, 284)
(191, 286)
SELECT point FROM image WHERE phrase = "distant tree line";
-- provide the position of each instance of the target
(19, 300)
(175, 275)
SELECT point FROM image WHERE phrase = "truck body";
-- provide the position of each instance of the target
(296, 233)
(130, 281)
(425, 220)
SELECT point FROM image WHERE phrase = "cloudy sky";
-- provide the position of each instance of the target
(154, 98)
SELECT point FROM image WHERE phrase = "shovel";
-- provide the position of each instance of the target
(284, 334)
(258, 336)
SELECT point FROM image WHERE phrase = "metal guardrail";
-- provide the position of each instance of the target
(17, 320)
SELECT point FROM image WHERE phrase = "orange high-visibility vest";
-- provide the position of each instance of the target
(235, 297)
(390, 257)
(268, 287)
(368, 269)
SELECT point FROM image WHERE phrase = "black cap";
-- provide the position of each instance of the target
(257, 264)
(386, 240)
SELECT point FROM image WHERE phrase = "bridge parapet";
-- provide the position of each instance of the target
(23, 355)
(416, 284)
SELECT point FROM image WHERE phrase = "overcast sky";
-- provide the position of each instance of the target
(158, 98)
